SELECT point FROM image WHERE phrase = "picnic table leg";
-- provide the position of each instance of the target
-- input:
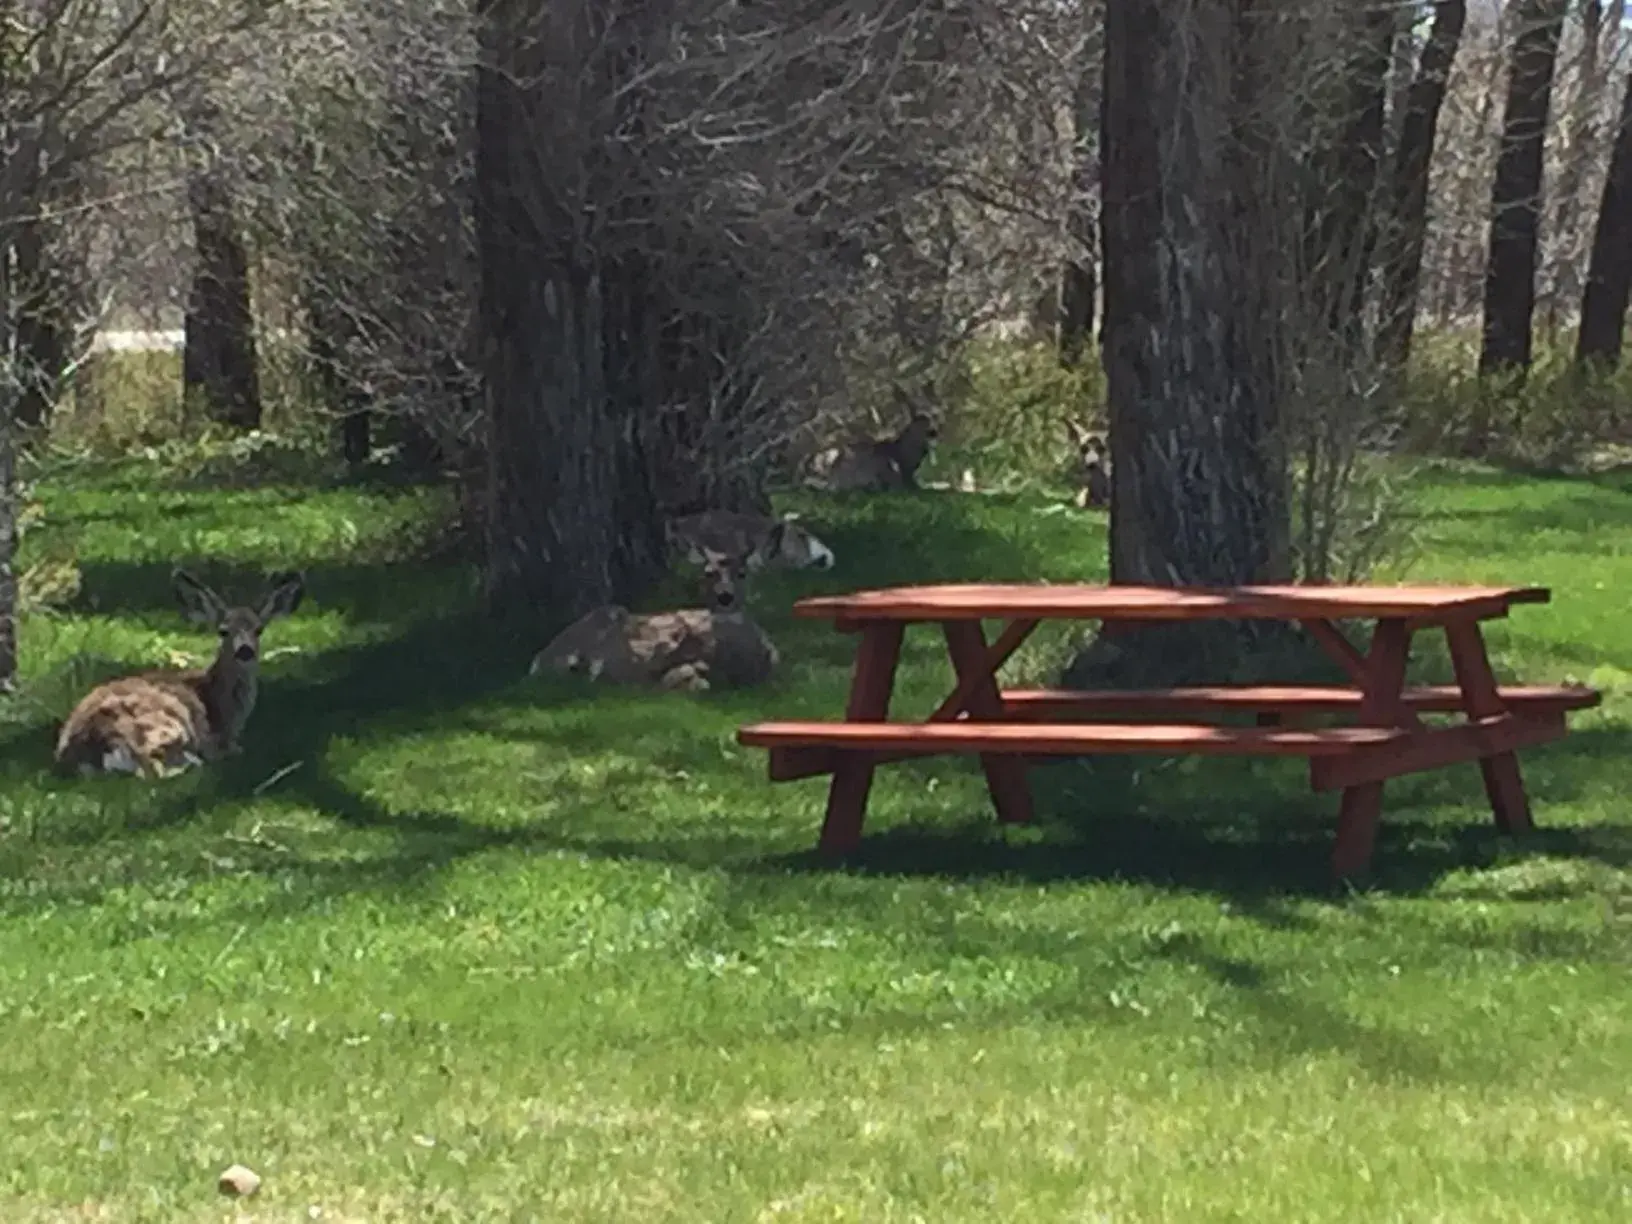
(1381, 706)
(1504, 785)
(870, 688)
(1005, 775)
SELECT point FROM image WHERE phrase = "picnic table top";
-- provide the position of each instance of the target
(1043, 601)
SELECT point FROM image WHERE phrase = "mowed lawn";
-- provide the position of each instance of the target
(447, 944)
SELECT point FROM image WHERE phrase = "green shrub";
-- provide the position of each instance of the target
(1007, 421)
(1550, 417)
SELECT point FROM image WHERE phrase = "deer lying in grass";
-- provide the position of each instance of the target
(758, 537)
(693, 649)
(156, 722)
(882, 463)
(1093, 474)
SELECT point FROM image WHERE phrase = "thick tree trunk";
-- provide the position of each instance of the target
(218, 360)
(1609, 274)
(569, 524)
(1408, 232)
(1198, 493)
(1516, 192)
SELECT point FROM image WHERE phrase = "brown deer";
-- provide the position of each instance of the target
(157, 722)
(693, 649)
(762, 539)
(1093, 467)
(883, 463)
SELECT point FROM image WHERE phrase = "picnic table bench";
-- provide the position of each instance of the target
(1384, 737)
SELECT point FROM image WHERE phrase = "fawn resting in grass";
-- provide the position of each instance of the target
(883, 463)
(158, 721)
(762, 539)
(692, 648)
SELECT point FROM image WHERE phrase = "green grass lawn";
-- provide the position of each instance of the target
(445, 944)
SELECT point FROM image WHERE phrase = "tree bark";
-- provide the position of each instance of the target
(42, 329)
(1515, 200)
(1078, 287)
(1565, 283)
(1342, 228)
(327, 333)
(1198, 487)
(218, 359)
(1609, 273)
(1079, 281)
(8, 465)
(1408, 231)
(569, 524)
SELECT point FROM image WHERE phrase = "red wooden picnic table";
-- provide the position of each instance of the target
(1385, 739)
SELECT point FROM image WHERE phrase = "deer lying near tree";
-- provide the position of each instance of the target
(693, 649)
(157, 722)
(765, 541)
(881, 463)
(1093, 474)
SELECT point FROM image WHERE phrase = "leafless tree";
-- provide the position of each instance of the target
(699, 223)
(218, 361)
(79, 79)
(1409, 178)
(1609, 276)
(1599, 29)
(1079, 282)
(1516, 191)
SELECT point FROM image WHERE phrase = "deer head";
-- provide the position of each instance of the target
(239, 626)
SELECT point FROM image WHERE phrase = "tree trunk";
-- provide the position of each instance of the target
(1515, 199)
(8, 465)
(218, 360)
(1564, 285)
(1609, 274)
(1193, 322)
(1402, 259)
(1078, 287)
(1079, 279)
(42, 328)
(1341, 227)
(1198, 490)
(327, 332)
(568, 524)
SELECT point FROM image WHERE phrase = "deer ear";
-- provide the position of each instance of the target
(198, 602)
(769, 545)
(284, 597)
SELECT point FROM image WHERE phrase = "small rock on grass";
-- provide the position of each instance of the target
(239, 1181)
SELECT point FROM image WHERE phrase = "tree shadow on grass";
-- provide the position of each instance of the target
(434, 651)
(439, 661)
(389, 596)
(1224, 829)
(1214, 827)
